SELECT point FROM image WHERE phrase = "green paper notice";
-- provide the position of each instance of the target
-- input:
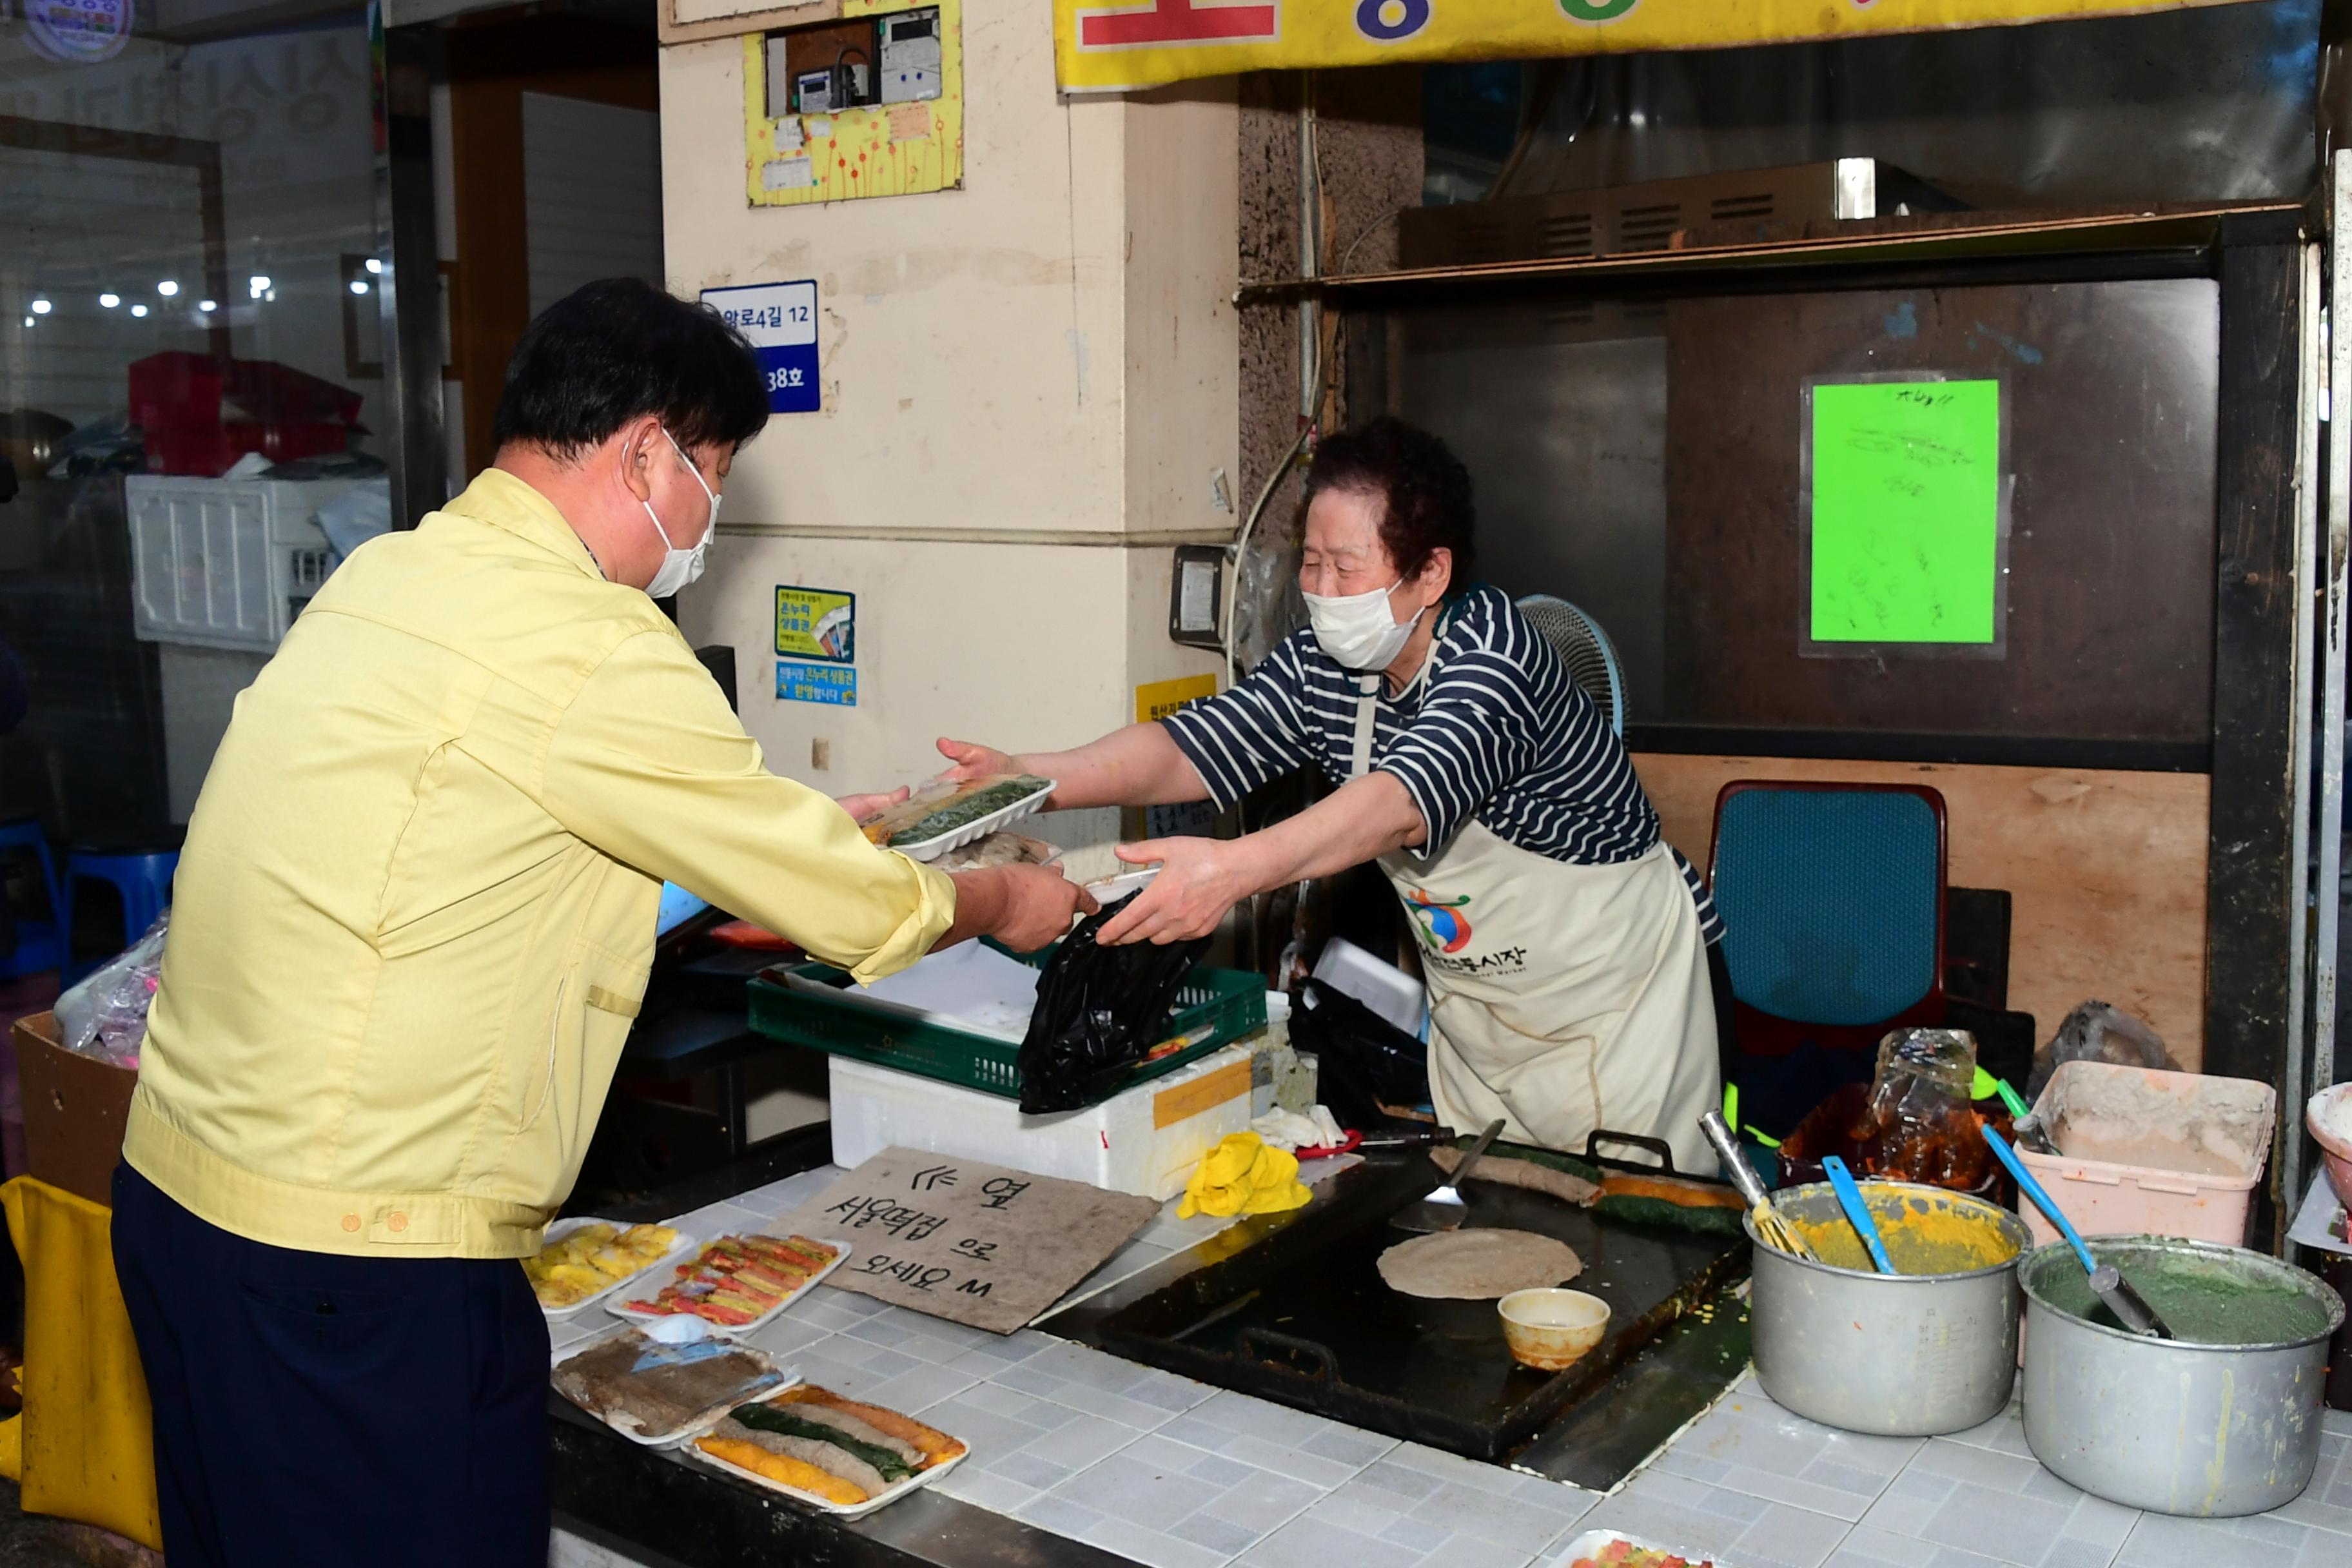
(1907, 511)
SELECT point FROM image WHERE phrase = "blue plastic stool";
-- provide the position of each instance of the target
(40, 942)
(141, 876)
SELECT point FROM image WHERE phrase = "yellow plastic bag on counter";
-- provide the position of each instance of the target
(1242, 1175)
(88, 1436)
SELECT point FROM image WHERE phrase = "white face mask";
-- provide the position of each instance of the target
(681, 567)
(1359, 629)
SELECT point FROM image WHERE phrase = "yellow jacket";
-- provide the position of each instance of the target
(415, 910)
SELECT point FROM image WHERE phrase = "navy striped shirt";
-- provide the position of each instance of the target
(1497, 730)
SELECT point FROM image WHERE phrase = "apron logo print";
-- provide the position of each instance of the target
(1443, 926)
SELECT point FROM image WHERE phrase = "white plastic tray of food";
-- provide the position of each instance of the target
(678, 1329)
(1589, 1545)
(882, 1498)
(563, 1228)
(979, 827)
(739, 1331)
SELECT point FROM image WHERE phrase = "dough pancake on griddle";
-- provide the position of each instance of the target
(1477, 1265)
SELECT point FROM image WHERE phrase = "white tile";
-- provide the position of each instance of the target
(1082, 1442)
(1155, 1549)
(1309, 1541)
(918, 1387)
(998, 1494)
(2157, 1542)
(1868, 1547)
(1127, 1488)
(1756, 1447)
(565, 1549)
(1524, 1526)
(1697, 1519)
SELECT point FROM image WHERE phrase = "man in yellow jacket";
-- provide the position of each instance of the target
(413, 919)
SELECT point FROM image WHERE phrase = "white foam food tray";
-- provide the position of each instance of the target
(979, 827)
(738, 1330)
(563, 1228)
(680, 1330)
(1591, 1542)
(882, 1498)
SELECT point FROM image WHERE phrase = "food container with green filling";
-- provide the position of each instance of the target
(2223, 1420)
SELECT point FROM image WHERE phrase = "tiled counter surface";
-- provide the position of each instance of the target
(1175, 1474)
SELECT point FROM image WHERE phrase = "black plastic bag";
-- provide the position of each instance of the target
(1099, 1011)
(1363, 1061)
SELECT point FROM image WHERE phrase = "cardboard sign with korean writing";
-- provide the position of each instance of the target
(967, 1241)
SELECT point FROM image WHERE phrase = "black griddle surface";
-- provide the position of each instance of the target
(1303, 1317)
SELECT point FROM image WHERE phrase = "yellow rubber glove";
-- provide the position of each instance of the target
(1242, 1175)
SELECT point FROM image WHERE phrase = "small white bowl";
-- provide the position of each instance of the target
(1548, 1329)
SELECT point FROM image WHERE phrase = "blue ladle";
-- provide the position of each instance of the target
(2131, 1307)
(1849, 1197)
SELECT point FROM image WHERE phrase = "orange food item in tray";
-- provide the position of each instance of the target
(738, 1278)
(791, 1472)
(937, 1445)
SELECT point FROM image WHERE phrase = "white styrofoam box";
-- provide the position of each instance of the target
(226, 563)
(1147, 1139)
(1384, 987)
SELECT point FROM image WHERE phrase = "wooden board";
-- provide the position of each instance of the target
(2107, 871)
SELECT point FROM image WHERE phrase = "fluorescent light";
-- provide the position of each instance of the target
(208, 306)
(271, 297)
(42, 307)
(374, 266)
(259, 284)
(138, 310)
(110, 300)
(28, 320)
(359, 285)
(167, 287)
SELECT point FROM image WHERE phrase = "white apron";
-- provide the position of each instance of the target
(1562, 998)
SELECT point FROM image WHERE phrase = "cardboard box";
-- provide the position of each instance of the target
(75, 1109)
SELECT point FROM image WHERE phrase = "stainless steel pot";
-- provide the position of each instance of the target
(2173, 1427)
(1905, 1355)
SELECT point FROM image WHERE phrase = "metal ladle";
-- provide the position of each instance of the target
(2131, 1307)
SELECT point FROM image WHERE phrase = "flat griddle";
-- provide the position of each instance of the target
(1301, 1316)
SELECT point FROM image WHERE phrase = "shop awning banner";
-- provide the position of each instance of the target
(1107, 45)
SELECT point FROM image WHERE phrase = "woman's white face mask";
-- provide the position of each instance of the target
(681, 567)
(1360, 630)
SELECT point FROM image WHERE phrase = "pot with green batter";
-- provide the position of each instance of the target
(2224, 1420)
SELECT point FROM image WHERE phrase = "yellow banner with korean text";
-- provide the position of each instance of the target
(1109, 45)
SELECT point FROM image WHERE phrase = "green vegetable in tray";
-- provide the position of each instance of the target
(966, 809)
(782, 1421)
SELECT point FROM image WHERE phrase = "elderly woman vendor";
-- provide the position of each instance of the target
(1562, 940)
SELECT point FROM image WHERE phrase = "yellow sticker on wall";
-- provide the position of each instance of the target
(1162, 698)
(908, 141)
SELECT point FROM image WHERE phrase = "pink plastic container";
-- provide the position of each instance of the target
(2147, 1153)
(2335, 1152)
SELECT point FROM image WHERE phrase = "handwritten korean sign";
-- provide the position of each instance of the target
(970, 1242)
(1905, 511)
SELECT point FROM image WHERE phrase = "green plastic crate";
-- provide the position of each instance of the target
(1227, 1003)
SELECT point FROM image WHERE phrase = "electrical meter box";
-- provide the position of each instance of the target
(909, 49)
(829, 91)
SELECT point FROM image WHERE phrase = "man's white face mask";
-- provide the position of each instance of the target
(681, 567)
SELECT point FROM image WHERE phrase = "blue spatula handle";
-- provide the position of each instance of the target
(1849, 1197)
(2042, 1200)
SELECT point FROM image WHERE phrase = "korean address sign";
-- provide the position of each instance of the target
(779, 320)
